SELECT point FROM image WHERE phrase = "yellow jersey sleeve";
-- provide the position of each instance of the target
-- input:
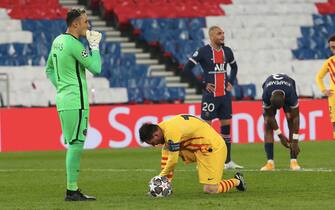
(172, 138)
(320, 75)
(170, 164)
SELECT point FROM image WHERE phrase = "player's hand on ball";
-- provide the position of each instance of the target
(284, 141)
(93, 38)
(294, 147)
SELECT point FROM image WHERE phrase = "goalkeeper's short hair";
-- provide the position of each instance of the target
(73, 14)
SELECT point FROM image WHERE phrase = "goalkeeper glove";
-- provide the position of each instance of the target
(93, 38)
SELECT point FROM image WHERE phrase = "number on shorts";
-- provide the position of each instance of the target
(208, 107)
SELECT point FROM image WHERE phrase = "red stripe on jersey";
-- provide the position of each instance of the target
(226, 185)
(190, 139)
(223, 189)
(196, 145)
(231, 183)
(331, 70)
(218, 56)
(164, 158)
(186, 142)
(219, 85)
(219, 77)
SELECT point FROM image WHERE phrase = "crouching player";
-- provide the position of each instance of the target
(279, 91)
(195, 141)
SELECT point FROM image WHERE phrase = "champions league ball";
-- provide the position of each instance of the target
(160, 186)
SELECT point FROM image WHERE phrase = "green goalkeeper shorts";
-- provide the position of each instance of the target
(74, 124)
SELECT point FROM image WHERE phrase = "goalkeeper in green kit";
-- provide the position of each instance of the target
(66, 66)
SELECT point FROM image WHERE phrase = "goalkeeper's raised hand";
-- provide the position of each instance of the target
(93, 38)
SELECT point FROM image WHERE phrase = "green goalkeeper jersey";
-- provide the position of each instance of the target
(66, 66)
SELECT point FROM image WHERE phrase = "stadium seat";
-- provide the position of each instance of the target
(135, 95)
(248, 91)
(155, 94)
(237, 92)
(175, 94)
(110, 95)
(153, 82)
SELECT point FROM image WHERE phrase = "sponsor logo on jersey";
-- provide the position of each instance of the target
(278, 83)
(219, 67)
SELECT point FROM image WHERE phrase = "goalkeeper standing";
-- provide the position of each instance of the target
(66, 66)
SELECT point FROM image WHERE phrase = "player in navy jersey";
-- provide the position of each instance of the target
(279, 91)
(216, 99)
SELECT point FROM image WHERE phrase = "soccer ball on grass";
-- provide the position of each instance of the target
(160, 186)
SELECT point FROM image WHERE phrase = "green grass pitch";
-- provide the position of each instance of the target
(119, 177)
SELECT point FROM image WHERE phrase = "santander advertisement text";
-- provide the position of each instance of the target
(33, 129)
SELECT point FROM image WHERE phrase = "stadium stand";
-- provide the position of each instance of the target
(264, 40)
(291, 39)
(30, 44)
(127, 9)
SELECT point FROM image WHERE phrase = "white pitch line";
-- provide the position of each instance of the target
(87, 169)
(119, 170)
(287, 169)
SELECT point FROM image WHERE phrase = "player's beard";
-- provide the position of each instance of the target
(220, 42)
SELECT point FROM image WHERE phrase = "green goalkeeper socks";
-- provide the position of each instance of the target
(73, 155)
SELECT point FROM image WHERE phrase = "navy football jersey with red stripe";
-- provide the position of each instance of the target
(214, 64)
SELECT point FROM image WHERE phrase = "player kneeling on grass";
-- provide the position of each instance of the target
(195, 141)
